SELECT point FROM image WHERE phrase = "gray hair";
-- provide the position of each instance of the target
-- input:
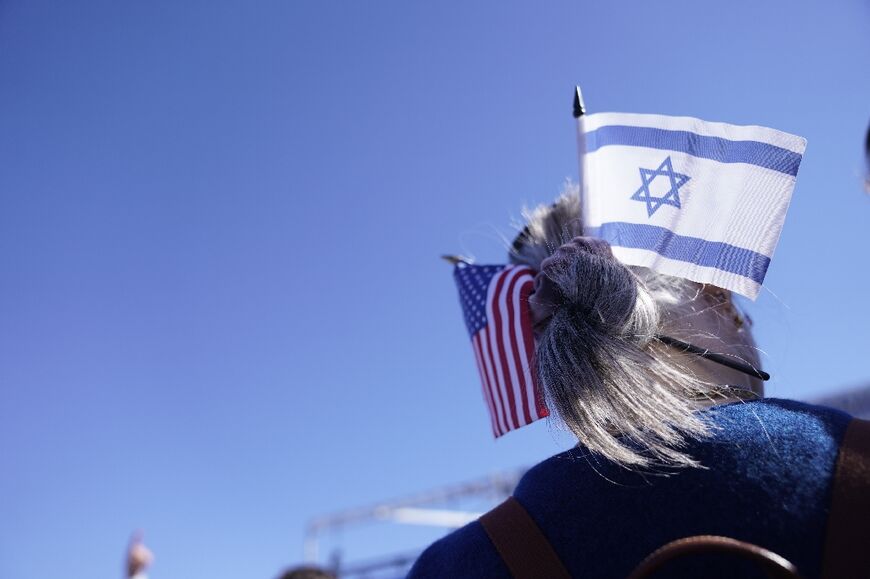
(617, 389)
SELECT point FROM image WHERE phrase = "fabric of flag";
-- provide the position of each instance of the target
(495, 302)
(685, 197)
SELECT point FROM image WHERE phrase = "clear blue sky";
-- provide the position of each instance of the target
(222, 310)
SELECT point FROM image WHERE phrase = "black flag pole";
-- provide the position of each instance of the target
(732, 362)
(579, 111)
(579, 107)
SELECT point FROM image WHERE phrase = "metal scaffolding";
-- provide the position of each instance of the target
(427, 508)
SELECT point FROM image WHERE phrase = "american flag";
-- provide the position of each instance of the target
(495, 302)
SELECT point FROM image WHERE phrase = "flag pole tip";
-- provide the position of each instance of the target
(579, 106)
(456, 259)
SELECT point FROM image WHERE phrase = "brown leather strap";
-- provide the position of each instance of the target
(521, 544)
(847, 547)
(775, 566)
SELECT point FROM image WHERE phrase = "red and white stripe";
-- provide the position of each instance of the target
(504, 350)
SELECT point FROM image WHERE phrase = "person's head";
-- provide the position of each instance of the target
(624, 394)
(867, 160)
(306, 572)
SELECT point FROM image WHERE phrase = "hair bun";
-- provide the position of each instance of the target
(583, 276)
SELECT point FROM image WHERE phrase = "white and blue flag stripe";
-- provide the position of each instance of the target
(685, 197)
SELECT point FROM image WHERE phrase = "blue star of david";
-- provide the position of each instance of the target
(672, 197)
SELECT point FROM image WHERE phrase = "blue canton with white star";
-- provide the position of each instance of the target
(672, 197)
(473, 283)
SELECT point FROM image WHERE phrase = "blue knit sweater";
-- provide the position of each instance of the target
(767, 480)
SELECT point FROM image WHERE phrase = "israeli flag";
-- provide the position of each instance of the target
(685, 197)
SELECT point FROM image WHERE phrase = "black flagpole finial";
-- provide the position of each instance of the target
(579, 107)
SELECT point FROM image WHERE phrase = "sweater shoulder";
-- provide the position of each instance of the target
(766, 476)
